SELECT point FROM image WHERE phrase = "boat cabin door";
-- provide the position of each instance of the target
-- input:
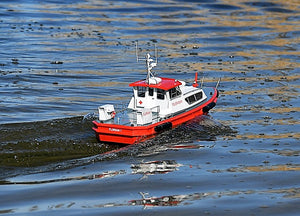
(153, 98)
(162, 100)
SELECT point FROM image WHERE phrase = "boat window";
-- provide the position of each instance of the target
(193, 98)
(174, 92)
(198, 96)
(160, 94)
(141, 91)
(151, 91)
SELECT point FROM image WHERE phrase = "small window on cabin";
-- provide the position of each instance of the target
(174, 92)
(193, 98)
(187, 100)
(141, 91)
(198, 96)
(151, 91)
(178, 91)
(160, 94)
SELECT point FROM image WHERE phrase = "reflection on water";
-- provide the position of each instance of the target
(106, 174)
(144, 168)
(183, 200)
(61, 60)
(155, 167)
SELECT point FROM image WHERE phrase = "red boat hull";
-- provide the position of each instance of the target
(124, 134)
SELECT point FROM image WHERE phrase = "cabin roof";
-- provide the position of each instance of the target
(165, 83)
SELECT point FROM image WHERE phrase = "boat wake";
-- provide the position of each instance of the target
(191, 135)
(65, 143)
(47, 145)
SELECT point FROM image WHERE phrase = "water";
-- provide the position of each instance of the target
(60, 61)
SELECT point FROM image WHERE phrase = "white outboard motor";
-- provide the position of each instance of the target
(106, 112)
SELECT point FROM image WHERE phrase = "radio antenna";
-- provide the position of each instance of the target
(217, 85)
(136, 51)
(155, 51)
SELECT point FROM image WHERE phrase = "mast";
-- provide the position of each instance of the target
(149, 62)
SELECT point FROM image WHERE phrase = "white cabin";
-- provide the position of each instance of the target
(164, 96)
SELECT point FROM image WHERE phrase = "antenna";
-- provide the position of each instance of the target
(155, 51)
(202, 82)
(136, 51)
(218, 82)
(149, 61)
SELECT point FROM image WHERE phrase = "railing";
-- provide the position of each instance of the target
(125, 116)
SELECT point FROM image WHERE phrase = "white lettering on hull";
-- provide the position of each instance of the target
(114, 129)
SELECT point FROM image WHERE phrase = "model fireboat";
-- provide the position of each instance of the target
(157, 104)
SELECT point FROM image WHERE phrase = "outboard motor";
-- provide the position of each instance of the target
(106, 112)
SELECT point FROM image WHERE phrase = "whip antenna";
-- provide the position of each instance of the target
(136, 51)
(155, 51)
(218, 82)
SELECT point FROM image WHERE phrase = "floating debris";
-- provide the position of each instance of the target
(14, 61)
(56, 62)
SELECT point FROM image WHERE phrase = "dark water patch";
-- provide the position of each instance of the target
(42, 130)
(278, 10)
(221, 7)
(38, 143)
(262, 4)
(270, 7)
